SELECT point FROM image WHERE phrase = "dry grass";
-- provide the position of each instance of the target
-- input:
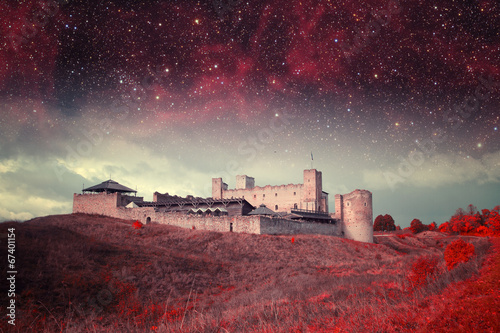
(83, 273)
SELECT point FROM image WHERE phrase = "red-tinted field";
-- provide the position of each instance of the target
(81, 273)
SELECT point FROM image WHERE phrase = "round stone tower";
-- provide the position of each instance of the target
(357, 216)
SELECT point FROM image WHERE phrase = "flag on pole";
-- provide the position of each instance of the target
(312, 159)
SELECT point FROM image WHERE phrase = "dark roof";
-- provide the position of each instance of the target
(262, 210)
(109, 186)
(310, 214)
(179, 201)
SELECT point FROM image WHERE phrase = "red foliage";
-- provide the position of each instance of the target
(293, 240)
(444, 227)
(458, 252)
(384, 223)
(417, 226)
(471, 306)
(137, 225)
(473, 222)
(423, 270)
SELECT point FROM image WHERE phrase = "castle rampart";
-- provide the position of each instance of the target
(353, 218)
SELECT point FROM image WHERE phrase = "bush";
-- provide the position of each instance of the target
(423, 270)
(137, 225)
(458, 252)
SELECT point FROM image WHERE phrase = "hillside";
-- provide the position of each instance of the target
(80, 273)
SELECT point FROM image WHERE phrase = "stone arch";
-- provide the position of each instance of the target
(148, 220)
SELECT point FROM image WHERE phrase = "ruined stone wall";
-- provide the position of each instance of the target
(283, 196)
(357, 211)
(275, 226)
(246, 224)
(98, 203)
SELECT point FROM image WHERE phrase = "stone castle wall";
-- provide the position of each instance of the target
(99, 203)
(273, 226)
(353, 210)
(285, 197)
(281, 198)
(108, 204)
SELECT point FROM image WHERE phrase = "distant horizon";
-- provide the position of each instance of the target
(398, 216)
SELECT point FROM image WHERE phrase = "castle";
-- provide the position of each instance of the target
(284, 209)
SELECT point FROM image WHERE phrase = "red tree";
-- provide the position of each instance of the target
(472, 221)
(432, 226)
(384, 223)
(444, 227)
(493, 222)
(417, 226)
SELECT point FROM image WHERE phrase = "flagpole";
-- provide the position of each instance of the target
(312, 159)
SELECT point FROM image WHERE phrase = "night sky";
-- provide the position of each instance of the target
(401, 98)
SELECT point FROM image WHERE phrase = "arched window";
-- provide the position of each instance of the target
(276, 207)
(295, 206)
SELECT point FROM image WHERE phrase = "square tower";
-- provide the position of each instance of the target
(218, 188)
(243, 182)
(313, 190)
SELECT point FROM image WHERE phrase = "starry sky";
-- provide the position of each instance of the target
(401, 98)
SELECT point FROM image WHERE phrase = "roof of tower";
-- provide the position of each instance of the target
(109, 186)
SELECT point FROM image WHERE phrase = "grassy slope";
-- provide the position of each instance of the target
(91, 273)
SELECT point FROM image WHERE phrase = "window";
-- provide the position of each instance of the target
(365, 204)
(347, 204)
(276, 207)
(294, 193)
(263, 195)
(275, 194)
(294, 206)
(255, 196)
